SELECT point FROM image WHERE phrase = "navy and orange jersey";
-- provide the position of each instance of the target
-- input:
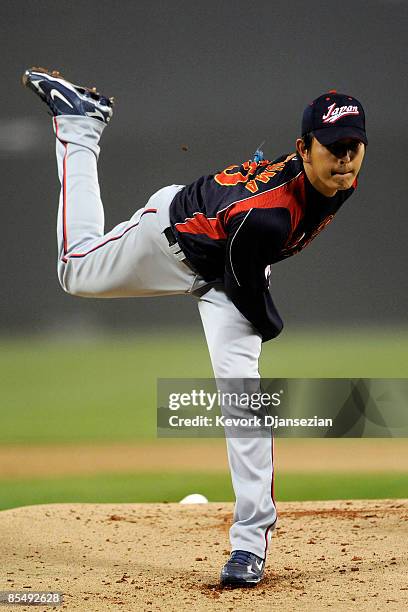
(233, 224)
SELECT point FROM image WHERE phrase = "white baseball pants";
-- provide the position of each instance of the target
(134, 259)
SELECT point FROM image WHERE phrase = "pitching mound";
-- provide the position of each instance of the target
(341, 555)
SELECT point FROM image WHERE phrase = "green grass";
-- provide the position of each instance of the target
(102, 390)
(170, 487)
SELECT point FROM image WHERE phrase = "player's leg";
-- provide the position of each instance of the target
(133, 259)
(81, 217)
(235, 348)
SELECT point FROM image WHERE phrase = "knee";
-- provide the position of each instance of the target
(228, 363)
(75, 281)
(70, 290)
(68, 282)
(62, 280)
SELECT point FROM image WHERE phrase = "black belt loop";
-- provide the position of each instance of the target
(172, 240)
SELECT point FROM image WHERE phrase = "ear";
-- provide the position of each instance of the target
(300, 148)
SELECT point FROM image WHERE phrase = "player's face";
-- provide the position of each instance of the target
(333, 167)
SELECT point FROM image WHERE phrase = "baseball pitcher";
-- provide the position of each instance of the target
(215, 240)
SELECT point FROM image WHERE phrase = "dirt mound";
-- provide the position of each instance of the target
(341, 555)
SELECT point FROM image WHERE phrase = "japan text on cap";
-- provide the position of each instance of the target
(334, 116)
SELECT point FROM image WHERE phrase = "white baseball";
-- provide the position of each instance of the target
(194, 498)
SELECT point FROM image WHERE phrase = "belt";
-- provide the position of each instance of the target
(176, 249)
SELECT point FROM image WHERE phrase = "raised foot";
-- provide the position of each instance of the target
(65, 98)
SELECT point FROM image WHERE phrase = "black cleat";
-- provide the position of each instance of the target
(244, 569)
(65, 98)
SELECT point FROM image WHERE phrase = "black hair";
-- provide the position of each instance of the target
(307, 140)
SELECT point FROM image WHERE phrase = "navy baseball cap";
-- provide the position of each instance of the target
(333, 116)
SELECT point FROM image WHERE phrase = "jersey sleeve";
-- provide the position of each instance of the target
(255, 239)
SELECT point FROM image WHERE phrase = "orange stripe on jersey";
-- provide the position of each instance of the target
(289, 195)
(199, 224)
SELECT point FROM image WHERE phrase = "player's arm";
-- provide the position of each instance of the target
(254, 240)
